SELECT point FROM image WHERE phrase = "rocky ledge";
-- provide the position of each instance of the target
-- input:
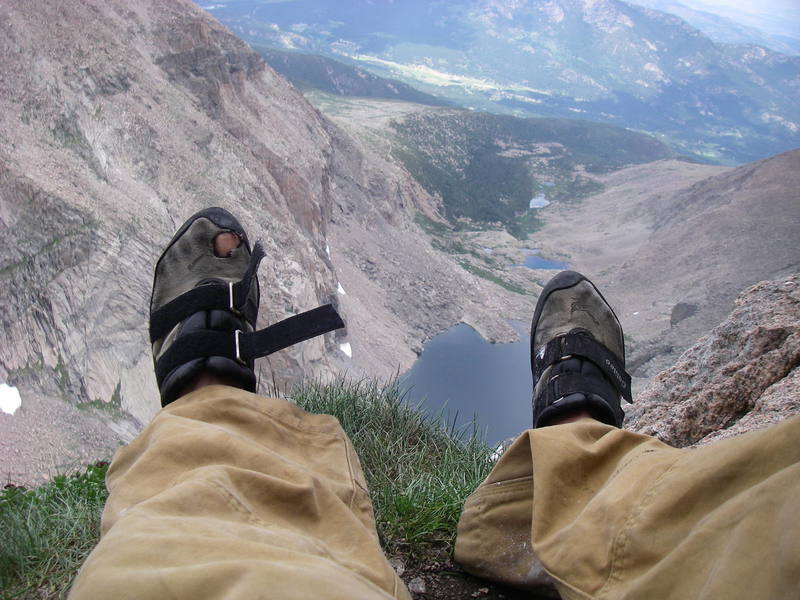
(743, 375)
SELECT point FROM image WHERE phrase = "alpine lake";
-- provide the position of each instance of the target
(467, 382)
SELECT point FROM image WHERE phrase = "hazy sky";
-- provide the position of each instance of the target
(768, 5)
(774, 16)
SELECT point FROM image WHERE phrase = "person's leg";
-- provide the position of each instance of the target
(613, 514)
(230, 495)
(226, 494)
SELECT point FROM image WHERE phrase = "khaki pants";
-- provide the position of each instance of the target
(230, 495)
(613, 514)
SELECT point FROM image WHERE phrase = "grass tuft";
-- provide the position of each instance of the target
(418, 470)
(47, 532)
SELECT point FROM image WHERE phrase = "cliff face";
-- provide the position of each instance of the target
(120, 119)
(744, 375)
(706, 244)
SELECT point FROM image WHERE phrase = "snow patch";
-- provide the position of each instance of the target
(773, 118)
(539, 202)
(346, 349)
(328, 250)
(340, 289)
(497, 452)
(10, 399)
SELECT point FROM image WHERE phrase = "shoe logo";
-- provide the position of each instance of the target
(613, 369)
(578, 307)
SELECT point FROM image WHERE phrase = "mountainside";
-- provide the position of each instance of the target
(777, 31)
(491, 171)
(488, 168)
(602, 60)
(120, 119)
(672, 244)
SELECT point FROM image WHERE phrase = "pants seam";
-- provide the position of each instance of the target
(322, 551)
(237, 504)
(502, 487)
(623, 537)
(351, 475)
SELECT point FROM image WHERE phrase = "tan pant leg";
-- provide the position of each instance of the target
(230, 495)
(614, 514)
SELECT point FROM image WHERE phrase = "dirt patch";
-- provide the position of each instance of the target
(445, 580)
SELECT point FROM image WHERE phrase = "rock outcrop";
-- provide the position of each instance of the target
(744, 375)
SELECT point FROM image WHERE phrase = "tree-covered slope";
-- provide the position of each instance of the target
(487, 168)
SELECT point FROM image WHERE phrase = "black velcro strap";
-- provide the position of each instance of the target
(202, 344)
(213, 296)
(288, 332)
(198, 344)
(565, 384)
(585, 347)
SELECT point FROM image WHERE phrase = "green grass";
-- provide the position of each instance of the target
(47, 532)
(419, 473)
(113, 406)
(489, 276)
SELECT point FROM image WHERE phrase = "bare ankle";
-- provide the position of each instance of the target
(205, 379)
(578, 416)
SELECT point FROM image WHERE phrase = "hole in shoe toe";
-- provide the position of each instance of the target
(225, 243)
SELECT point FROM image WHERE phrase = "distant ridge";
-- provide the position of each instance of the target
(602, 60)
(723, 29)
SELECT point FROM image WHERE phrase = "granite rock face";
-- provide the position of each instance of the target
(743, 375)
(119, 121)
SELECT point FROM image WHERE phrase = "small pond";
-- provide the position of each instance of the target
(465, 376)
(534, 261)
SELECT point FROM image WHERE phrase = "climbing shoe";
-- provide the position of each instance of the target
(204, 307)
(577, 353)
